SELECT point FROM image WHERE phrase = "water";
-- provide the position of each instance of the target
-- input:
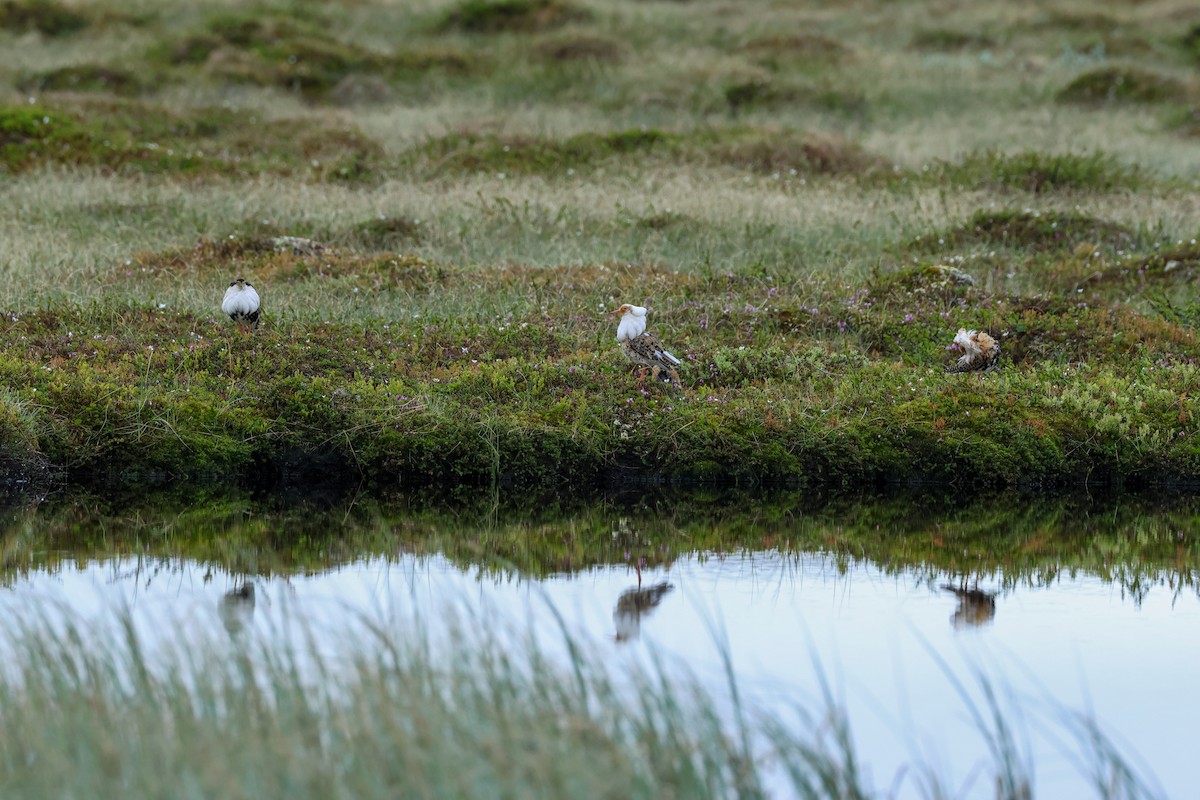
(893, 609)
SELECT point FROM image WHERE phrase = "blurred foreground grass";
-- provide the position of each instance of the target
(91, 714)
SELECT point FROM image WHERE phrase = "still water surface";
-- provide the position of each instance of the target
(894, 609)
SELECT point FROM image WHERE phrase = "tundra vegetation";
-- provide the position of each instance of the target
(811, 201)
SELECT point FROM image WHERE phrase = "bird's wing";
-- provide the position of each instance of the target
(964, 364)
(648, 347)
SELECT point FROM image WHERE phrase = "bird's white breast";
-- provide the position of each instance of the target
(631, 327)
(240, 300)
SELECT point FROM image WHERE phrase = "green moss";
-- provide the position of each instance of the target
(33, 134)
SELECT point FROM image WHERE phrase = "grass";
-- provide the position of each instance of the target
(223, 720)
(98, 713)
(487, 179)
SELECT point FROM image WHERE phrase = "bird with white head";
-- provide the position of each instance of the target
(642, 347)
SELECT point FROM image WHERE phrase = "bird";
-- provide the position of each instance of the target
(241, 302)
(983, 352)
(975, 607)
(237, 607)
(642, 347)
(635, 603)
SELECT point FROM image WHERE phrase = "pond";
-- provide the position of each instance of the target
(905, 611)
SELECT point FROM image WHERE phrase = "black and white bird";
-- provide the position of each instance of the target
(642, 347)
(241, 302)
(982, 352)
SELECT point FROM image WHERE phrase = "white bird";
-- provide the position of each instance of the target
(241, 302)
(982, 352)
(641, 347)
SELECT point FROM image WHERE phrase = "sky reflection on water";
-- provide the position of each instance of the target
(789, 621)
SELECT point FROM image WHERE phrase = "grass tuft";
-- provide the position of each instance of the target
(384, 233)
(140, 137)
(1116, 85)
(1191, 43)
(493, 16)
(803, 154)
(47, 17)
(1030, 231)
(948, 40)
(782, 51)
(765, 94)
(580, 47)
(84, 78)
(1036, 172)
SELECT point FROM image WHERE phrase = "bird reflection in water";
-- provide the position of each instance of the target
(236, 608)
(635, 603)
(976, 607)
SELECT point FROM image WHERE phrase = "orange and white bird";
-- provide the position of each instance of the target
(642, 347)
(241, 302)
(982, 352)
(975, 607)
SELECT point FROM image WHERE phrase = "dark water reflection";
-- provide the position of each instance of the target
(1074, 600)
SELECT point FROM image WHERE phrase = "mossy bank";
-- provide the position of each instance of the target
(783, 380)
